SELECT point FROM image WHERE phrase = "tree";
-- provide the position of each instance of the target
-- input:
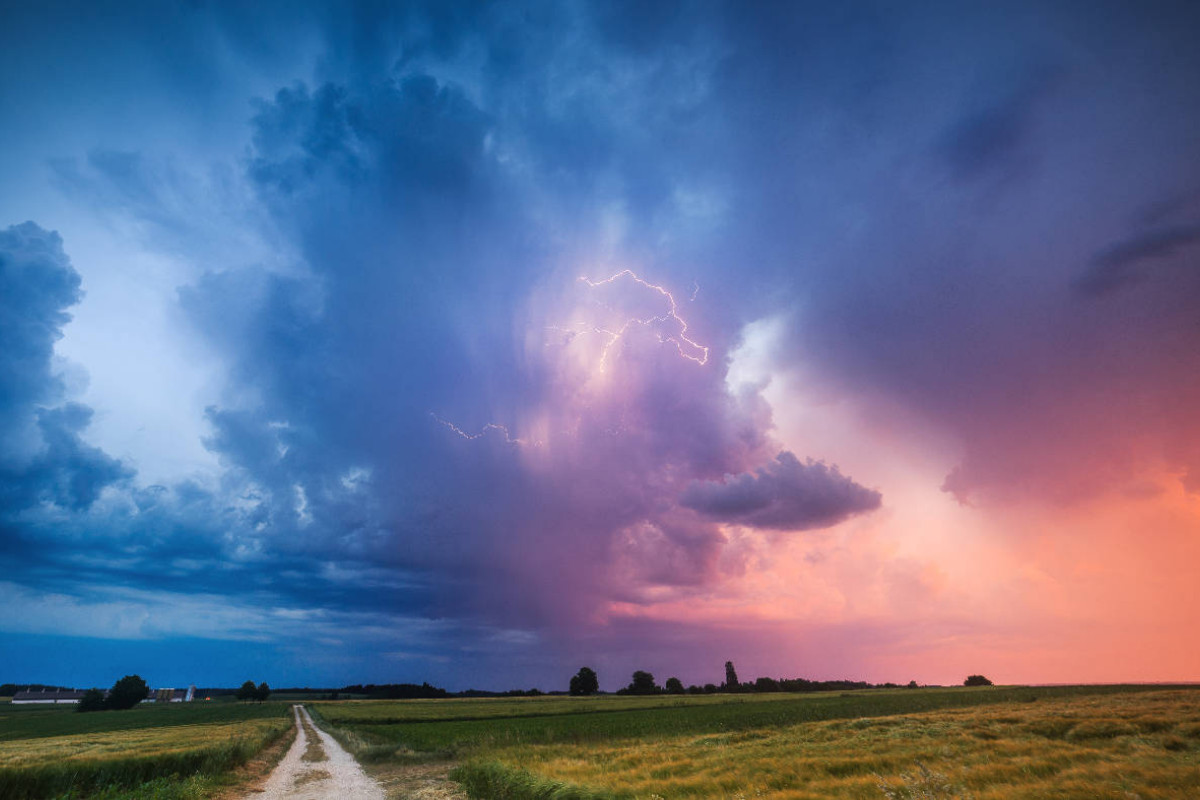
(674, 686)
(731, 679)
(584, 682)
(766, 685)
(262, 692)
(912, 685)
(976, 680)
(92, 700)
(643, 683)
(247, 691)
(127, 692)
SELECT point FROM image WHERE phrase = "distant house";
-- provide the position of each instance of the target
(48, 696)
(172, 695)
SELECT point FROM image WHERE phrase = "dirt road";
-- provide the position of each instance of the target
(315, 768)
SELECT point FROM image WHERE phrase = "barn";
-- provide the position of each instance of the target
(48, 696)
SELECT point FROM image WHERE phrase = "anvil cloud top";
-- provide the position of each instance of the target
(475, 342)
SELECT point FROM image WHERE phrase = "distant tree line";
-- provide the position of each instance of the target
(586, 682)
(643, 683)
(131, 690)
(248, 691)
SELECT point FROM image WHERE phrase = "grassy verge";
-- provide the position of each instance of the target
(193, 787)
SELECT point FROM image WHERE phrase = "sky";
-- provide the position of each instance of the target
(473, 343)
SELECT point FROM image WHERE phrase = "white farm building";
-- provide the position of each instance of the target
(48, 696)
(74, 695)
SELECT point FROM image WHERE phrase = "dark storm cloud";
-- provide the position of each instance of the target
(787, 494)
(416, 214)
(387, 190)
(70, 473)
(39, 285)
(44, 459)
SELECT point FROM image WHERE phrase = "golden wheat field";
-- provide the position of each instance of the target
(143, 742)
(163, 753)
(1144, 745)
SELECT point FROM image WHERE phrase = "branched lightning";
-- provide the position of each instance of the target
(491, 426)
(611, 337)
(671, 315)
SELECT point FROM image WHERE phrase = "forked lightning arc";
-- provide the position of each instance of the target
(672, 314)
(613, 337)
(491, 426)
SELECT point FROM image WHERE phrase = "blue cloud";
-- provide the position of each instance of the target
(39, 285)
(45, 460)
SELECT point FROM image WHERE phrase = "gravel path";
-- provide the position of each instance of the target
(316, 768)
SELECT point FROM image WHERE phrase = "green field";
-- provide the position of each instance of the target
(1118, 742)
(34, 720)
(170, 750)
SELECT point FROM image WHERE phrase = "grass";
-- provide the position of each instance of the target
(168, 752)
(192, 787)
(313, 751)
(1062, 742)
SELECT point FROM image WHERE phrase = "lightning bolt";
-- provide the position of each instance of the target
(491, 426)
(611, 338)
(671, 315)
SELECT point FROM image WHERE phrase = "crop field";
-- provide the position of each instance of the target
(35, 721)
(48, 752)
(391, 712)
(457, 726)
(1062, 742)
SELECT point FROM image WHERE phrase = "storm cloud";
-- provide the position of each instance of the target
(785, 495)
(44, 459)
